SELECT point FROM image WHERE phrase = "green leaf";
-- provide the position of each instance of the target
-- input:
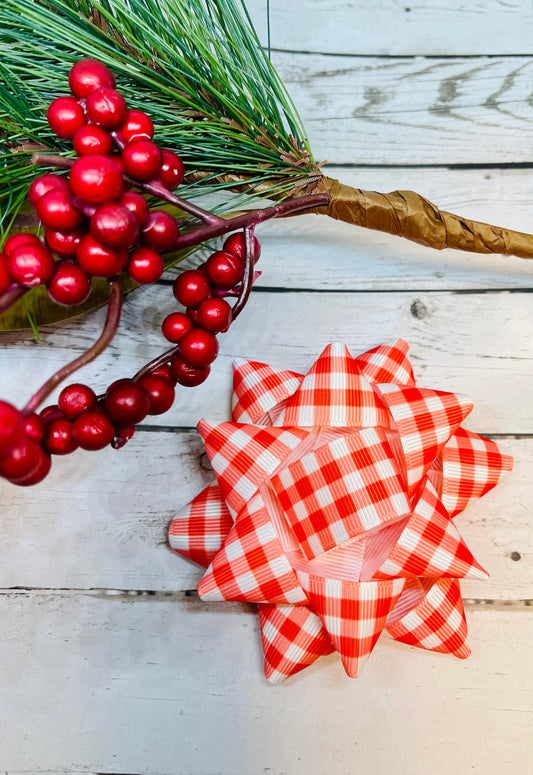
(44, 311)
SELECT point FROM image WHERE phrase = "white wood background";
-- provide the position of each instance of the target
(107, 665)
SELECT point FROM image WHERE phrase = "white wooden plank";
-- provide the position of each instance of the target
(99, 521)
(479, 344)
(108, 685)
(388, 27)
(317, 252)
(368, 110)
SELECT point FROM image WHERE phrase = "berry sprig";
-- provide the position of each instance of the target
(96, 226)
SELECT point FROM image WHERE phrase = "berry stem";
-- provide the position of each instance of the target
(250, 218)
(12, 295)
(156, 362)
(112, 320)
(156, 188)
(26, 221)
(248, 277)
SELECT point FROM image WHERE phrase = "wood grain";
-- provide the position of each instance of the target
(109, 530)
(105, 664)
(98, 684)
(397, 111)
(390, 28)
(479, 344)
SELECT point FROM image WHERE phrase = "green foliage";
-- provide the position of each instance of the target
(195, 66)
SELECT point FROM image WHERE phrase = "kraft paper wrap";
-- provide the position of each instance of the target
(407, 214)
(404, 214)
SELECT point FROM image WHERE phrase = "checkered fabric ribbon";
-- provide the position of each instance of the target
(333, 508)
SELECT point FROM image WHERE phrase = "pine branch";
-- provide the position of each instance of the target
(196, 66)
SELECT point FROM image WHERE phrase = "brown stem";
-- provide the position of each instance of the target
(248, 277)
(158, 189)
(409, 215)
(251, 218)
(154, 187)
(156, 362)
(52, 160)
(110, 328)
(26, 221)
(12, 295)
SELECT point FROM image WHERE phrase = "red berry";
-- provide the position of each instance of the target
(163, 371)
(172, 171)
(99, 261)
(93, 429)
(199, 347)
(160, 393)
(5, 279)
(42, 470)
(191, 287)
(214, 314)
(145, 266)
(175, 326)
(30, 265)
(136, 204)
(50, 413)
(142, 160)
(87, 75)
(114, 226)
(224, 269)
(65, 116)
(34, 426)
(126, 402)
(21, 460)
(43, 184)
(11, 427)
(106, 108)
(91, 139)
(63, 243)
(16, 240)
(122, 436)
(58, 438)
(75, 399)
(57, 212)
(236, 244)
(188, 375)
(69, 285)
(138, 126)
(117, 159)
(161, 230)
(95, 179)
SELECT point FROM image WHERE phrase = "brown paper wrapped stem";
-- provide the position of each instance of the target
(404, 214)
(407, 214)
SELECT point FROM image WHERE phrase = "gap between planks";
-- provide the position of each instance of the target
(191, 597)
(192, 428)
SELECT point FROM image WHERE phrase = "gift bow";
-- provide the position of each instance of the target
(333, 508)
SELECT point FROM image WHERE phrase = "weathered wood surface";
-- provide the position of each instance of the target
(390, 28)
(105, 664)
(474, 343)
(133, 684)
(413, 110)
(111, 529)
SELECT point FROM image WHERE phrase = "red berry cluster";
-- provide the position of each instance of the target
(207, 313)
(79, 419)
(96, 228)
(92, 224)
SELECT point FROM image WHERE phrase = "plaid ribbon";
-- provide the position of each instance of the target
(333, 508)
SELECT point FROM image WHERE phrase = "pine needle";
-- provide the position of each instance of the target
(196, 66)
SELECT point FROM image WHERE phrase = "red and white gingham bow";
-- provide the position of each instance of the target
(333, 504)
